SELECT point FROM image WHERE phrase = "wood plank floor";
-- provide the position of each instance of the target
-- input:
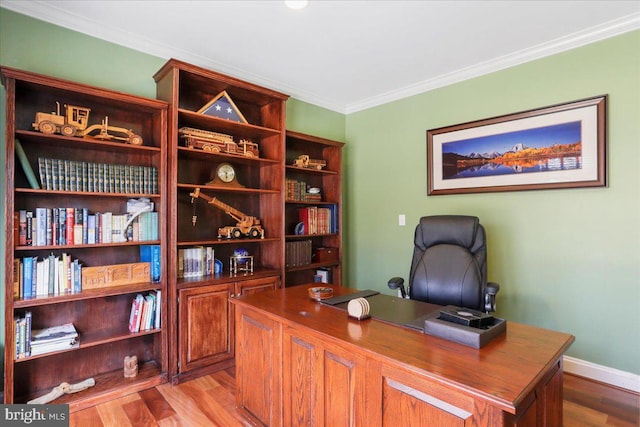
(210, 401)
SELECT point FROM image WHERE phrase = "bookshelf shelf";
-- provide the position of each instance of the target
(193, 119)
(295, 169)
(92, 246)
(211, 156)
(101, 316)
(213, 188)
(109, 385)
(314, 266)
(61, 193)
(82, 143)
(89, 294)
(95, 339)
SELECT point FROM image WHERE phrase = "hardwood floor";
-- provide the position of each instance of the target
(210, 401)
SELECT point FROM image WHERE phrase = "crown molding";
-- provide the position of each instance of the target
(563, 44)
(44, 11)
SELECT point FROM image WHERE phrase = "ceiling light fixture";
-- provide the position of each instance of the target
(296, 4)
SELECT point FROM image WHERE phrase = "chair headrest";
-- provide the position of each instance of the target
(446, 229)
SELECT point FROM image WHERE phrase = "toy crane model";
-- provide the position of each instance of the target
(246, 225)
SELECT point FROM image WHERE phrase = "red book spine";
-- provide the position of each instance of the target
(70, 225)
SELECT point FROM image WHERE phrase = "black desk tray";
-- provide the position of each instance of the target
(472, 337)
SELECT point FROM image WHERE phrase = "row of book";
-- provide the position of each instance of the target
(319, 220)
(145, 312)
(72, 175)
(298, 253)
(298, 191)
(41, 341)
(197, 261)
(77, 226)
(48, 276)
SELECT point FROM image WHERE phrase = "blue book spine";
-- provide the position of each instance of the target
(27, 268)
(62, 224)
(151, 254)
(34, 277)
(77, 276)
(85, 226)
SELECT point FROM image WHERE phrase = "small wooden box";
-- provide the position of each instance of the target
(105, 276)
(325, 254)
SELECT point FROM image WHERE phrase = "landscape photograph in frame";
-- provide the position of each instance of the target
(561, 146)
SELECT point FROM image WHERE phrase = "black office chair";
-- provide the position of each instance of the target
(449, 264)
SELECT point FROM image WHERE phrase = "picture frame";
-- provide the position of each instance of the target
(559, 146)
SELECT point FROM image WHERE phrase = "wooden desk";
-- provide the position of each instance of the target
(300, 362)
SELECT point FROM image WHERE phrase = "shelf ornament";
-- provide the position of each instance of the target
(223, 107)
(63, 388)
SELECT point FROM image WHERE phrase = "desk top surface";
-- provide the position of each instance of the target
(504, 371)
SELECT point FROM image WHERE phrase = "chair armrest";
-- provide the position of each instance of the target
(492, 288)
(397, 283)
(490, 297)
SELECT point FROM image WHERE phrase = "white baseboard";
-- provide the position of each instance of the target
(603, 374)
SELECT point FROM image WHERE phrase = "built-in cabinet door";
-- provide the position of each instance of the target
(206, 326)
(323, 385)
(258, 367)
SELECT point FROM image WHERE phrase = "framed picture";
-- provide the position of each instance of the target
(560, 146)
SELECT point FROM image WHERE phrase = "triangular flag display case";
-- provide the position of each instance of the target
(223, 107)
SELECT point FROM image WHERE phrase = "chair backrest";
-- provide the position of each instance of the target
(449, 261)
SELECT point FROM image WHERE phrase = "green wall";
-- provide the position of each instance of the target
(567, 260)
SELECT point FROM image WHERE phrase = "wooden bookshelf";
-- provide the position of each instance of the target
(100, 316)
(329, 181)
(200, 316)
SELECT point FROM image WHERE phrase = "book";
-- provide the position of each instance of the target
(27, 344)
(17, 290)
(151, 254)
(62, 226)
(140, 302)
(41, 229)
(42, 170)
(158, 309)
(150, 311)
(26, 166)
(65, 332)
(22, 227)
(27, 269)
(70, 223)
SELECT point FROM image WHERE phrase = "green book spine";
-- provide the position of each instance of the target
(26, 167)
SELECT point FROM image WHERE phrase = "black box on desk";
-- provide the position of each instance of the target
(467, 335)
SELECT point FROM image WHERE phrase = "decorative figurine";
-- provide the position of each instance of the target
(246, 225)
(75, 122)
(130, 366)
(303, 161)
(241, 261)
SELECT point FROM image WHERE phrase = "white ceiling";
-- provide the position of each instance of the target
(344, 55)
